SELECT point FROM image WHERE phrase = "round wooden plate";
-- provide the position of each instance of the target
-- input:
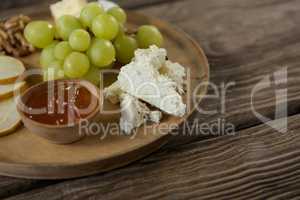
(22, 154)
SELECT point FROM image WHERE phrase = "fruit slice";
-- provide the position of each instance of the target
(7, 90)
(10, 69)
(9, 118)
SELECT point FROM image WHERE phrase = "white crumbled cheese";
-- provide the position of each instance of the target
(113, 92)
(152, 79)
(155, 116)
(134, 113)
(141, 79)
(176, 72)
(154, 56)
(67, 7)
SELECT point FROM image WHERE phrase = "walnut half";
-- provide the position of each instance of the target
(12, 41)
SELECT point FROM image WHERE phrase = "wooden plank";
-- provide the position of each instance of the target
(130, 4)
(256, 163)
(134, 4)
(244, 40)
(11, 186)
(243, 46)
(18, 3)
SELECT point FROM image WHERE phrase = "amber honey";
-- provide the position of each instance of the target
(60, 103)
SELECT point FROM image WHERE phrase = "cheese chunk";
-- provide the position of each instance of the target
(141, 79)
(67, 7)
(134, 113)
(155, 116)
(154, 56)
(152, 79)
(176, 72)
(113, 92)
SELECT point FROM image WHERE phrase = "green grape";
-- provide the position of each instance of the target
(76, 65)
(149, 35)
(89, 12)
(105, 27)
(39, 33)
(66, 24)
(62, 50)
(80, 40)
(56, 35)
(121, 31)
(93, 75)
(54, 71)
(58, 64)
(118, 13)
(125, 47)
(101, 53)
(47, 55)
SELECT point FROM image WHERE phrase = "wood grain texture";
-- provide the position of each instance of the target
(134, 4)
(9, 4)
(12, 186)
(129, 4)
(257, 163)
(244, 41)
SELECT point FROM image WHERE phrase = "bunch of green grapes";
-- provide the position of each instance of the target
(80, 47)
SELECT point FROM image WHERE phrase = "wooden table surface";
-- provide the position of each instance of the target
(245, 41)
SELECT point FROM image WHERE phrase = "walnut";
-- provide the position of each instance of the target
(12, 41)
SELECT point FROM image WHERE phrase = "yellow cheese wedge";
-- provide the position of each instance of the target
(7, 90)
(9, 118)
(10, 69)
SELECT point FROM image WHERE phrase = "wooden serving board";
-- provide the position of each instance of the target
(23, 154)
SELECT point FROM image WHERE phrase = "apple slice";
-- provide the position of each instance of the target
(10, 69)
(7, 90)
(9, 118)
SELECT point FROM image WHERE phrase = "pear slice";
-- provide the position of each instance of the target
(9, 118)
(7, 90)
(10, 69)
